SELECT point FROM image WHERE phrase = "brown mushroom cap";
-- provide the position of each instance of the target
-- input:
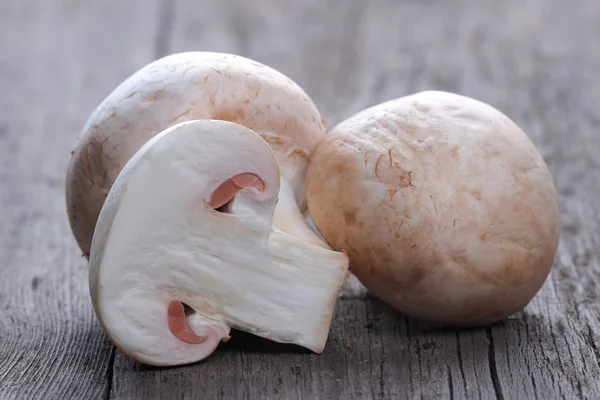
(184, 87)
(445, 207)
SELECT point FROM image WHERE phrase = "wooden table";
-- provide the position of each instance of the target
(536, 60)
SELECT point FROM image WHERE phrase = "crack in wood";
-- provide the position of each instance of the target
(460, 361)
(109, 374)
(492, 365)
(450, 384)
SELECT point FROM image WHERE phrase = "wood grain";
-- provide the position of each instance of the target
(536, 60)
(58, 59)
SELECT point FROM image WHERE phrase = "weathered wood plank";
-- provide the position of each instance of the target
(536, 61)
(57, 60)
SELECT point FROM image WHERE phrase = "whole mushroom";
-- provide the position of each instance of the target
(445, 207)
(186, 191)
(184, 250)
(191, 86)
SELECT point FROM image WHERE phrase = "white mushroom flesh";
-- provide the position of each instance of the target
(158, 241)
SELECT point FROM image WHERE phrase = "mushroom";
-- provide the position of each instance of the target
(184, 250)
(191, 86)
(444, 206)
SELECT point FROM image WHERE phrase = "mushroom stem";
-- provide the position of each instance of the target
(303, 283)
(289, 219)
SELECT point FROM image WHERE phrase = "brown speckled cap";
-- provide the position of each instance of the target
(445, 207)
(183, 87)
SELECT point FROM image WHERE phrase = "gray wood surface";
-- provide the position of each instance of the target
(536, 60)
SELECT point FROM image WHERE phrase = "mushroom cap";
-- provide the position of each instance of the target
(161, 242)
(183, 87)
(444, 206)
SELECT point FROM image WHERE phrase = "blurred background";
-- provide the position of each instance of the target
(538, 61)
